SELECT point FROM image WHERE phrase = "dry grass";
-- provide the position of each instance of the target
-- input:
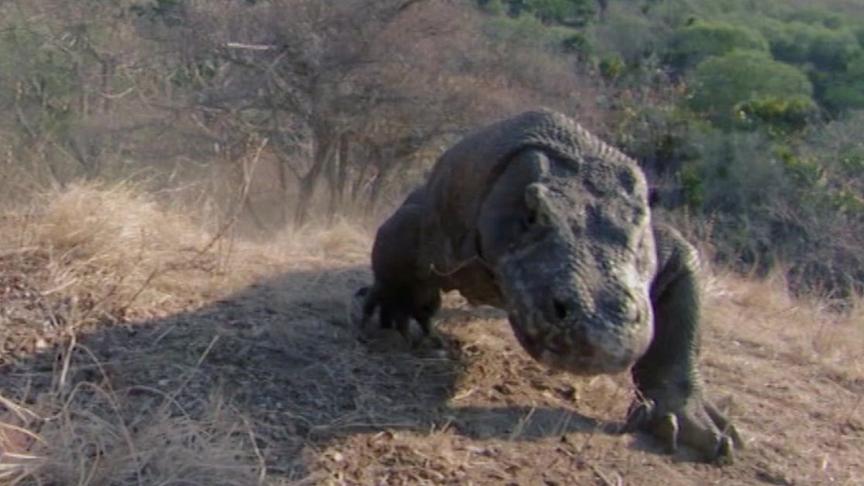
(94, 436)
(147, 351)
(94, 255)
(119, 250)
(805, 328)
(111, 249)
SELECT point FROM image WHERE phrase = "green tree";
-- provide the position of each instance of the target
(797, 42)
(494, 7)
(574, 13)
(846, 91)
(703, 39)
(832, 49)
(817, 16)
(782, 116)
(630, 34)
(720, 85)
(570, 13)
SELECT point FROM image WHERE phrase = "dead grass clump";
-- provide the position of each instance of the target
(93, 436)
(808, 326)
(114, 224)
(338, 244)
(113, 248)
(96, 254)
(16, 441)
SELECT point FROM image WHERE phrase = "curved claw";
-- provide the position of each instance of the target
(725, 451)
(697, 424)
(668, 430)
(729, 430)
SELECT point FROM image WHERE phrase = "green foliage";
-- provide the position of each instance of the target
(661, 136)
(746, 147)
(858, 30)
(527, 30)
(631, 35)
(806, 173)
(848, 203)
(852, 162)
(735, 172)
(700, 40)
(721, 84)
(736, 180)
(578, 44)
(839, 147)
(743, 109)
(493, 7)
(797, 42)
(541, 23)
(817, 16)
(781, 116)
(574, 13)
(571, 13)
(611, 67)
(845, 91)
(832, 49)
(693, 186)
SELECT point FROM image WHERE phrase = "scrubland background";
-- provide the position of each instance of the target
(188, 191)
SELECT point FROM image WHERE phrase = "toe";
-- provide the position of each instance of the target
(701, 430)
(696, 424)
(725, 453)
(667, 430)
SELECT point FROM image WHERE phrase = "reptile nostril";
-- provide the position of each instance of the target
(560, 309)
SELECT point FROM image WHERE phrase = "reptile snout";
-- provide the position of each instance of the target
(588, 335)
(612, 309)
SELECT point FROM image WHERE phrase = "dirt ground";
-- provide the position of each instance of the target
(271, 385)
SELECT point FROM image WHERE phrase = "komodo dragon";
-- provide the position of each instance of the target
(536, 216)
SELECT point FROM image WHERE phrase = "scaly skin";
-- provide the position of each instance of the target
(671, 404)
(397, 292)
(538, 217)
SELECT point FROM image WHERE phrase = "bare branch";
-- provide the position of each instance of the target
(251, 47)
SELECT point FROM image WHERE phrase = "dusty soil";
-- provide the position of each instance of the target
(325, 405)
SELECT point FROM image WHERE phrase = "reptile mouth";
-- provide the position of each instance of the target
(570, 350)
(560, 336)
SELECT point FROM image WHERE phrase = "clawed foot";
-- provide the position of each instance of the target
(391, 340)
(695, 423)
(361, 310)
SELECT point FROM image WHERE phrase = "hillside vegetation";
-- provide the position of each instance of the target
(189, 188)
(744, 113)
